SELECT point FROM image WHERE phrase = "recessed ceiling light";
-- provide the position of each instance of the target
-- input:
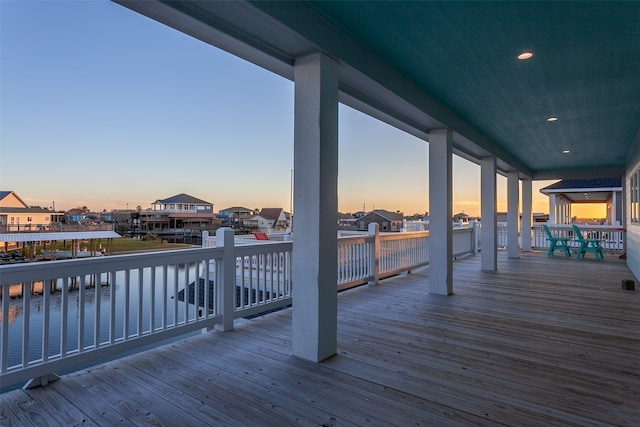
(566, 151)
(552, 119)
(525, 55)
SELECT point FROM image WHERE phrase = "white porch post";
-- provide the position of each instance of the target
(489, 216)
(513, 214)
(315, 201)
(527, 200)
(440, 212)
(552, 209)
(226, 278)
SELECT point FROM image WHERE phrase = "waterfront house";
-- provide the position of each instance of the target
(256, 223)
(509, 340)
(268, 220)
(277, 218)
(388, 221)
(235, 215)
(176, 214)
(346, 221)
(16, 215)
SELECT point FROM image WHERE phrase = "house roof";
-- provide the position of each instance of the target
(595, 190)
(271, 213)
(391, 216)
(581, 184)
(5, 194)
(182, 198)
(27, 211)
(236, 208)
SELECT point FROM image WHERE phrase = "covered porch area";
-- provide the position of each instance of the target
(540, 341)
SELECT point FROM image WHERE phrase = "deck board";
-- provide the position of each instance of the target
(542, 341)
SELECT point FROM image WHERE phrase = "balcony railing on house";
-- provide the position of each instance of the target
(75, 312)
(612, 238)
(80, 311)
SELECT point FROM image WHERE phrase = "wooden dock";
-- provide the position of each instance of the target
(541, 342)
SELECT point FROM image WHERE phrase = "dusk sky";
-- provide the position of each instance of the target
(105, 108)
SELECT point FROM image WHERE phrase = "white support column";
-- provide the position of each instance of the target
(513, 214)
(226, 277)
(374, 231)
(315, 201)
(440, 212)
(489, 216)
(552, 209)
(527, 201)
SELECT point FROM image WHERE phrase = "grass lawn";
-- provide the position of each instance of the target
(127, 244)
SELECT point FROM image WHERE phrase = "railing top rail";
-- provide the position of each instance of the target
(262, 248)
(18, 273)
(569, 226)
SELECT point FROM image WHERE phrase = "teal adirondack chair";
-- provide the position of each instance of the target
(591, 245)
(557, 243)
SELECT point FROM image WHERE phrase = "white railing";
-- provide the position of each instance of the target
(466, 240)
(93, 308)
(502, 235)
(611, 238)
(356, 260)
(370, 257)
(107, 305)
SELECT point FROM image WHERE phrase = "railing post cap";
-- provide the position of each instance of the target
(373, 228)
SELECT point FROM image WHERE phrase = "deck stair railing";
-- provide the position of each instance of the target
(75, 312)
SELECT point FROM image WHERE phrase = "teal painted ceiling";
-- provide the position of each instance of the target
(426, 65)
(585, 70)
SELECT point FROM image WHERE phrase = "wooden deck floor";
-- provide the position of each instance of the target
(541, 342)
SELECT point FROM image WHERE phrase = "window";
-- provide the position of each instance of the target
(634, 188)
